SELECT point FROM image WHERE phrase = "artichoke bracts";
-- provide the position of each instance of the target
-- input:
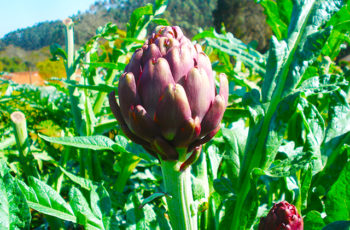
(167, 96)
(282, 216)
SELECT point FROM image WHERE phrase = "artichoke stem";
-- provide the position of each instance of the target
(179, 200)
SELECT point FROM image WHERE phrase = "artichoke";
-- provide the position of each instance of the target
(282, 216)
(167, 96)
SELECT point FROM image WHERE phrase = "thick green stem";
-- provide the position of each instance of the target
(127, 163)
(179, 199)
(200, 184)
(101, 97)
(74, 101)
(20, 129)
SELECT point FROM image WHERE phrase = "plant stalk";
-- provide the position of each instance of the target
(74, 101)
(179, 200)
(20, 129)
(102, 95)
(200, 184)
(127, 163)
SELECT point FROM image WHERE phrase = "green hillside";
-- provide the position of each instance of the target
(187, 14)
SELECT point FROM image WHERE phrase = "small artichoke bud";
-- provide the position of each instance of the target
(282, 216)
(167, 96)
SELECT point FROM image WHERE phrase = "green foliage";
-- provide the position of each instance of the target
(278, 16)
(12, 64)
(284, 136)
(337, 199)
(14, 212)
(49, 69)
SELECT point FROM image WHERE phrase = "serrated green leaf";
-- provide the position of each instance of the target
(339, 122)
(123, 145)
(304, 29)
(235, 139)
(335, 41)
(224, 186)
(97, 142)
(337, 201)
(45, 199)
(138, 22)
(99, 198)
(313, 220)
(289, 166)
(276, 59)
(304, 57)
(232, 46)
(322, 84)
(304, 43)
(84, 183)
(278, 126)
(139, 218)
(14, 210)
(214, 160)
(314, 126)
(101, 205)
(82, 210)
(278, 16)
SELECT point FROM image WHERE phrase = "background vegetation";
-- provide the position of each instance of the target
(285, 134)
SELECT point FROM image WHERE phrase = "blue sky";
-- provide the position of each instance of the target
(16, 14)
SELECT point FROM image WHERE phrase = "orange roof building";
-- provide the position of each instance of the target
(32, 78)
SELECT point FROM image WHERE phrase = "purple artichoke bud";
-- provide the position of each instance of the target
(167, 96)
(282, 216)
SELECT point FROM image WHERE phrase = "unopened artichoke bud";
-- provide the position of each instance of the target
(167, 96)
(282, 216)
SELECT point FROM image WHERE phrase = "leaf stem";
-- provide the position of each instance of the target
(74, 101)
(179, 200)
(127, 163)
(101, 96)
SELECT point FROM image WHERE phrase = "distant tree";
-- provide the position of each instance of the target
(36, 37)
(2, 45)
(245, 19)
(189, 14)
(192, 14)
(14, 64)
(48, 69)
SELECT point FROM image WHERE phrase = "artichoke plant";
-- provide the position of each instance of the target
(282, 216)
(167, 96)
(168, 103)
